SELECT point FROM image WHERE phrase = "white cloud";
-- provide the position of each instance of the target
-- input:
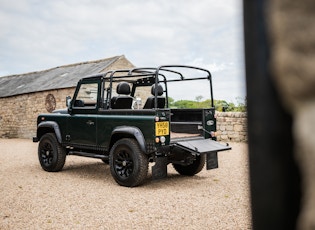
(37, 35)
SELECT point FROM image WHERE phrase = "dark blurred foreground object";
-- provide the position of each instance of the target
(274, 175)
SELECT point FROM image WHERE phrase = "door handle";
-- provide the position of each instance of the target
(89, 122)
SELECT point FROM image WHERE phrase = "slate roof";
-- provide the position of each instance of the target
(60, 77)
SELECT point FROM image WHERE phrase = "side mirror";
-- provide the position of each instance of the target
(68, 101)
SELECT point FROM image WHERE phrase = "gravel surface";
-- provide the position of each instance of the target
(85, 196)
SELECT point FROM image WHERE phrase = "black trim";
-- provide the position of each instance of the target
(50, 124)
(88, 154)
(133, 131)
(89, 148)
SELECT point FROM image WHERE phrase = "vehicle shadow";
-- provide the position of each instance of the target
(174, 180)
(89, 170)
(100, 171)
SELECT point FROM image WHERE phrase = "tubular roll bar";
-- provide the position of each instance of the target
(158, 72)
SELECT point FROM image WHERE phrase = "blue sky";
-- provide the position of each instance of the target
(37, 35)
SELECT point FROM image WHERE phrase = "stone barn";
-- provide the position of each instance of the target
(24, 96)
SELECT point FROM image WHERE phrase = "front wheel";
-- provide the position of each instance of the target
(192, 169)
(128, 164)
(51, 154)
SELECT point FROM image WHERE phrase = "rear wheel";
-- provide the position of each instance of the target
(128, 164)
(192, 169)
(51, 154)
(106, 161)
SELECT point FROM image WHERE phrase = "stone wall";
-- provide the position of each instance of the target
(232, 126)
(18, 114)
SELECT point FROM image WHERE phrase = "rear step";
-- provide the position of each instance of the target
(92, 155)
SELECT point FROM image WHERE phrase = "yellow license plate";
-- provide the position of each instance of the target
(162, 128)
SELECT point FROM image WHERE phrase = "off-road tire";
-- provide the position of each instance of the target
(51, 154)
(128, 164)
(192, 169)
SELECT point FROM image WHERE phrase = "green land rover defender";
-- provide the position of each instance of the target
(123, 117)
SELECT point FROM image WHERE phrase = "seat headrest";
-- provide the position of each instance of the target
(159, 90)
(123, 88)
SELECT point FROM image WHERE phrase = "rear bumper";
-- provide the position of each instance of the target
(35, 139)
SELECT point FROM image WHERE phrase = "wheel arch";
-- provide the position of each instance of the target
(49, 127)
(128, 132)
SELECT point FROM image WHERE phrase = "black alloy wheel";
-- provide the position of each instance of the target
(128, 164)
(51, 154)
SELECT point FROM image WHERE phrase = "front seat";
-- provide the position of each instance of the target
(123, 100)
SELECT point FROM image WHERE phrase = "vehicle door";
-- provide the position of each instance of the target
(82, 123)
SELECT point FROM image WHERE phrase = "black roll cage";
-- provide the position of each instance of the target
(147, 76)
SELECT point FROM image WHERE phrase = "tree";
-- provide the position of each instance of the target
(220, 105)
(198, 98)
(170, 102)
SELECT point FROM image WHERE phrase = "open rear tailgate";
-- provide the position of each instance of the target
(204, 146)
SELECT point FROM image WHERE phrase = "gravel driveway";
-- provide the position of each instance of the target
(85, 196)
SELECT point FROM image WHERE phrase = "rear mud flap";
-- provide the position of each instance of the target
(159, 169)
(212, 160)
